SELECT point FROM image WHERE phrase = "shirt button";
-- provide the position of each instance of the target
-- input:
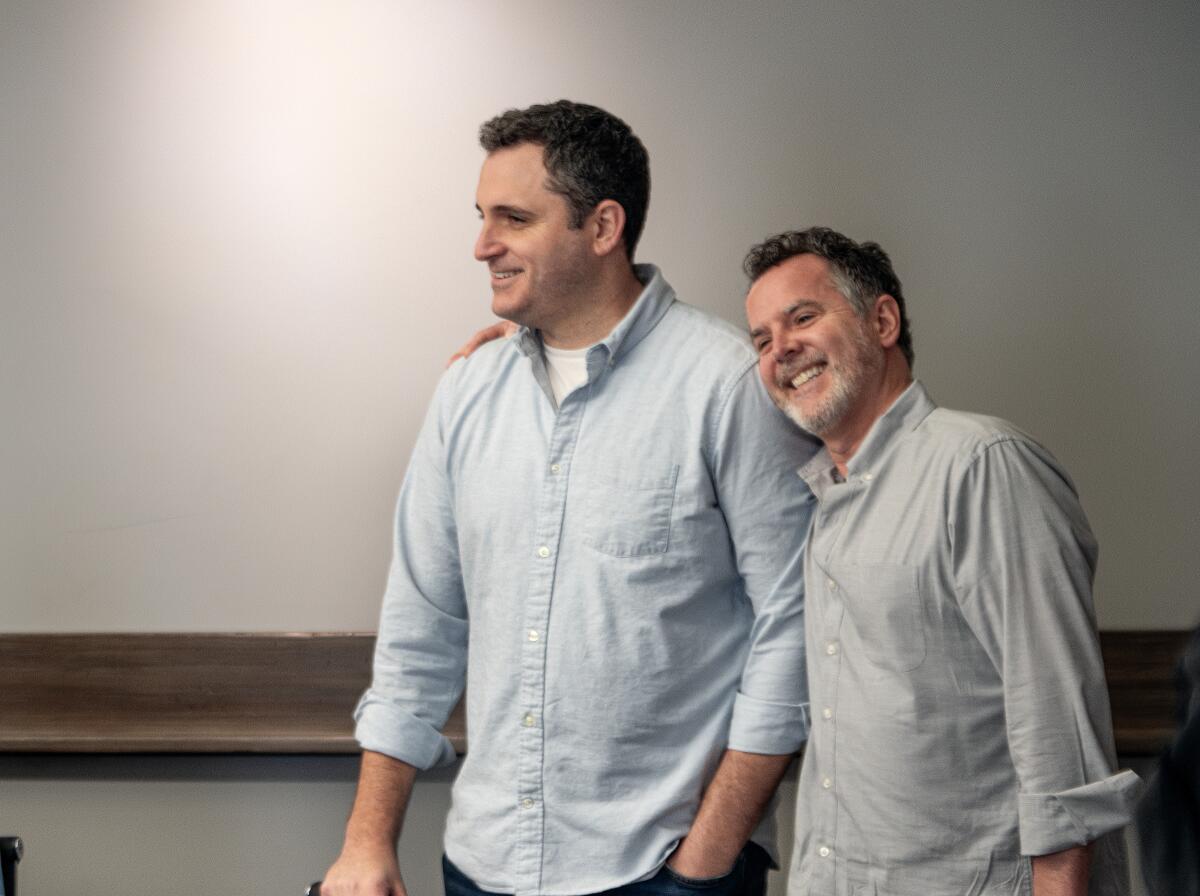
(527, 803)
(555, 469)
(866, 477)
(832, 584)
(826, 783)
(543, 552)
(533, 634)
(831, 648)
(528, 720)
(824, 852)
(827, 713)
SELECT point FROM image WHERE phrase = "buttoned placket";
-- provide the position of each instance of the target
(825, 808)
(528, 721)
(833, 510)
(831, 664)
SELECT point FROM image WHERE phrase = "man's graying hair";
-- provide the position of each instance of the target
(862, 272)
(589, 154)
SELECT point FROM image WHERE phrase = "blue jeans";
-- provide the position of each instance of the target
(748, 878)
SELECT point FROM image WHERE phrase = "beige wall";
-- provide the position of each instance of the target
(235, 249)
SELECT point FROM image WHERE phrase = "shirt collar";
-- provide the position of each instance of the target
(656, 297)
(905, 414)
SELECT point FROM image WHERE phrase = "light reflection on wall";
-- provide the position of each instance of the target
(235, 241)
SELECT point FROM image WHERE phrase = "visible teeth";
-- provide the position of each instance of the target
(503, 275)
(807, 375)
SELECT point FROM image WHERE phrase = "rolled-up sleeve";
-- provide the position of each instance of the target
(420, 652)
(767, 507)
(1024, 557)
(1050, 822)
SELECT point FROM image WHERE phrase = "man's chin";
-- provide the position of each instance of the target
(506, 308)
(790, 410)
(801, 420)
(814, 424)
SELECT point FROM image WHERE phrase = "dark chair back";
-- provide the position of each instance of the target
(11, 850)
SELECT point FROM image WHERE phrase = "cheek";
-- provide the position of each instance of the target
(766, 370)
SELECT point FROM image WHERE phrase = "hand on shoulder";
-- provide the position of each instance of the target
(499, 330)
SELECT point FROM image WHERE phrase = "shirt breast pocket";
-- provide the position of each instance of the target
(628, 516)
(884, 602)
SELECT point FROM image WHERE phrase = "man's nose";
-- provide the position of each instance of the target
(785, 348)
(485, 244)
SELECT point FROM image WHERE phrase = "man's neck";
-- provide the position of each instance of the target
(848, 438)
(612, 297)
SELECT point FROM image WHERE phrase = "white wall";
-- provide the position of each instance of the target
(236, 250)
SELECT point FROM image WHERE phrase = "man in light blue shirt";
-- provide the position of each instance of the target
(597, 535)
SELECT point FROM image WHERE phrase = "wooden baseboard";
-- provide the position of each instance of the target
(206, 693)
(293, 693)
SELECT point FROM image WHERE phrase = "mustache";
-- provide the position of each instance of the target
(785, 373)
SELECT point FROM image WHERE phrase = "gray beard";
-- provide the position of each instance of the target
(829, 413)
(849, 382)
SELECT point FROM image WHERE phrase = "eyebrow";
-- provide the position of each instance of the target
(506, 209)
(786, 312)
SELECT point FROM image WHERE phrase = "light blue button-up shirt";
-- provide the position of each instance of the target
(619, 582)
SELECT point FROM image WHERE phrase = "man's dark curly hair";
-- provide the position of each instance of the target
(589, 154)
(862, 272)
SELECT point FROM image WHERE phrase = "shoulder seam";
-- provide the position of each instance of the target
(724, 397)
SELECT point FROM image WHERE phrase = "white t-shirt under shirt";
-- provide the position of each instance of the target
(567, 368)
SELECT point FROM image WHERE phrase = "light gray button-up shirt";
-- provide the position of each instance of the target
(960, 715)
(620, 581)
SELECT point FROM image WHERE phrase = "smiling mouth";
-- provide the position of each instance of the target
(807, 374)
(504, 275)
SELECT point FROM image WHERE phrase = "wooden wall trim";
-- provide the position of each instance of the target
(167, 693)
(1140, 668)
(293, 693)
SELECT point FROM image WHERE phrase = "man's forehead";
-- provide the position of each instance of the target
(805, 272)
(522, 161)
(787, 287)
(512, 174)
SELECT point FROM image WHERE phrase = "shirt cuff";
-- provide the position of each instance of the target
(1052, 822)
(383, 728)
(772, 729)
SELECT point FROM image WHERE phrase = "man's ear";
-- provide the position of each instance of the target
(607, 223)
(886, 320)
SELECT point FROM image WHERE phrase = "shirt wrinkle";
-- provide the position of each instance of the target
(633, 609)
(960, 722)
(725, 398)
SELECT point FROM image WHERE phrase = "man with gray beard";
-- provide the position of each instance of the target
(961, 739)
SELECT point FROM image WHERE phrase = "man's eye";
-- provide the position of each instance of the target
(516, 219)
(761, 346)
(802, 319)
